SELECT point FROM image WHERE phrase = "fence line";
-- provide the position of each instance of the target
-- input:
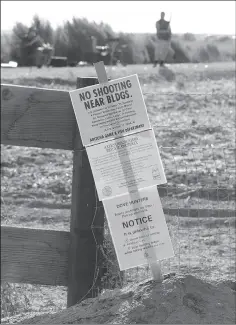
(186, 217)
(179, 93)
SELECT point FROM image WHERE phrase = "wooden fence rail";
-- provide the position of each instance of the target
(34, 256)
(34, 117)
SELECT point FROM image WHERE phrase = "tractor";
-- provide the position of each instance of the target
(34, 51)
(110, 53)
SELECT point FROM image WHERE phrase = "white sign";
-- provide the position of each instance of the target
(124, 165)
(110, 110)
(138, 228)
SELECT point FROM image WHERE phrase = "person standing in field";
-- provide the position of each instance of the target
(162, 45)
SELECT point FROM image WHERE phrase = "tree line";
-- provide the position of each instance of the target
(73, 40)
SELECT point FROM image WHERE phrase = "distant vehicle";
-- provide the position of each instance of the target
(83, 64)
(10, 64)
(58, 61)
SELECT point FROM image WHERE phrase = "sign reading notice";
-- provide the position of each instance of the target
(126, 164)
(110, 110)
(138, 228)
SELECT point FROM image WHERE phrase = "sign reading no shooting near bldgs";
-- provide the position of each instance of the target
(138, 228)
(110, 110)
(126, 164)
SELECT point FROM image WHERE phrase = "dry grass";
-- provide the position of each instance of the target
(194, 121)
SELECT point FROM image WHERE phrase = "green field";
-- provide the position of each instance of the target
(193, 116)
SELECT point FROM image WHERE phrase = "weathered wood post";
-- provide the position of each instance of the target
(83, 251)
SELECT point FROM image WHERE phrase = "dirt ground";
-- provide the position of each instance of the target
(177, 300)
(193, 116)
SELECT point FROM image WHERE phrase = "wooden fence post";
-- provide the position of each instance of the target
(83, 250)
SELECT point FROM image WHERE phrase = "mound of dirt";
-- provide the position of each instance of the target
(177, 300)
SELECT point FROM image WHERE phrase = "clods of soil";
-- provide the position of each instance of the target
(177, 300)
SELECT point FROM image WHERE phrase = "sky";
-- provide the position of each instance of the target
(198, 17)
